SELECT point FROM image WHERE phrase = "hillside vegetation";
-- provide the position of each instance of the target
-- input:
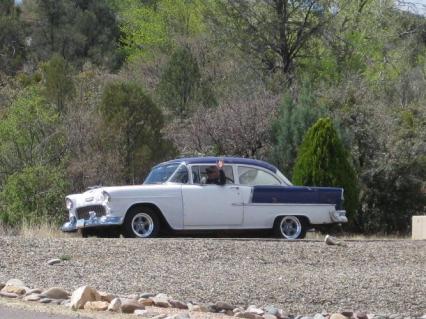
(97, 91)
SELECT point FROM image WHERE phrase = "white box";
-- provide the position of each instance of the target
(419, 227)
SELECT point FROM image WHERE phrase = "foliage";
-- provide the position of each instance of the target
(34, 194)
(59, 85)
(29, 134)
(77, 30)
(156, 25)
(135, 124)
(293, 120)
(322, 161)
(180, 82)
(12, 38)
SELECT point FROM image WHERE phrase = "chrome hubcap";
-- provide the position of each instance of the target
(142, 225)
(290, 227)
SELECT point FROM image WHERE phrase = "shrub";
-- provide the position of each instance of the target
(34, 194)
(322, 161)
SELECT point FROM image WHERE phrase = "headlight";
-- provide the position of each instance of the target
(106, 197)
(68, 203)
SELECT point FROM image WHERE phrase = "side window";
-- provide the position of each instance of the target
(181, 175)
(252, 176)
(199, 172)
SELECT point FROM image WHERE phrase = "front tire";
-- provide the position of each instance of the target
(290, 227)
(141, 222)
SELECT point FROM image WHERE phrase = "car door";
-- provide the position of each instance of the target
(212, 206)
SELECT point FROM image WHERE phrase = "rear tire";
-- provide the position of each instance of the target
(141, 222)
(290, 227)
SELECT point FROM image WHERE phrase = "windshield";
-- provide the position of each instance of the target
(161, 174)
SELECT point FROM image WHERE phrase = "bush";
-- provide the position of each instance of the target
(34, 194)
(322, 161)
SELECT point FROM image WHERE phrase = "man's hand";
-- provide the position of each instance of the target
(220, 164)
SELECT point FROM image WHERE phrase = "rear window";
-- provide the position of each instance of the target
(252, 176)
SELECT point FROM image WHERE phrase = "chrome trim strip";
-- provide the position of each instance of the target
(93, 222)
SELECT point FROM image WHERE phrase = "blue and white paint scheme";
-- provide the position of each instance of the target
(256, 196)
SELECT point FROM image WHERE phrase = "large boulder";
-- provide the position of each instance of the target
(82, 295)
(15, 282)
(14, 289)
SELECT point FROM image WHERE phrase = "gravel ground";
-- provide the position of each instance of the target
(302, 277)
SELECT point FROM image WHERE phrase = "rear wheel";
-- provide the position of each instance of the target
(141, 222)
(290, 227)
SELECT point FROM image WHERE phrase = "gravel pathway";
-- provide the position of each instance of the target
(302, 277)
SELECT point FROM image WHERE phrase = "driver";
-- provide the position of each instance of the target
(215, 174)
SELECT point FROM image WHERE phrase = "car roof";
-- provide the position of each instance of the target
(227, 160)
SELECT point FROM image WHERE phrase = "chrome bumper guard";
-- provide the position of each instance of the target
(339, 216)
(74, 224)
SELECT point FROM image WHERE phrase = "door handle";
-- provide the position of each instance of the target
(234, 187)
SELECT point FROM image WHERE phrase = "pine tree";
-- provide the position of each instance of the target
(322, 161)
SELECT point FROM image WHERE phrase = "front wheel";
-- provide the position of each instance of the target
(290, 227)
(141, 222)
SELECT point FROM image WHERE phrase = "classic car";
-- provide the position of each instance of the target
(175, 196)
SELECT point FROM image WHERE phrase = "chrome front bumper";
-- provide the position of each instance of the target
(339, 216)
(74, 224)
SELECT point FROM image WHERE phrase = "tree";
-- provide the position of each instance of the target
(293, 120)
(12, 38)
(30, 134)
(238, 126)
(275, 32)
(76, 30)
(58, 81)
(322, 161)
(134, 125)
(179, 82)
(34, 194)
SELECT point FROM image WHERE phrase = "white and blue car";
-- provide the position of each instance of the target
(174, 195)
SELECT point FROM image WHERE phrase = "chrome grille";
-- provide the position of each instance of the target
(83, 212)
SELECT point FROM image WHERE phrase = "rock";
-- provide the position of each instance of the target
(33, 291)
(105, 296)
(55, 293)
(347, 313)
(338, 316)
(269, 316)
(178, 304)
(8, 294)
(161, 300)
(146, 313)
(115, 305)
(146, 301)
(45, 300)
(53, 261)
(134, 297)
(197, 308)
(224, 306)
(2, 285)
(15, 282)
(131, 306)
(147, 295)
(32, 297)
(229, 312)
(282, 315)
(319, 316)
(82, 295)
(255, 310)
(96, 305)
(360, 315)
(212, 308)
(161, 316)
(184, 315)
(271, 309)
(238, 309)
(14, 289)
(248, 315)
